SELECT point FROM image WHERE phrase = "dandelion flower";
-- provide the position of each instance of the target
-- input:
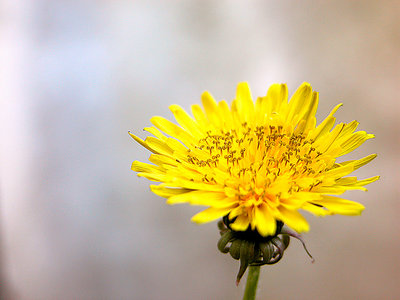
(256, 164)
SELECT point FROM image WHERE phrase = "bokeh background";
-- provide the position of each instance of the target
(75, 76)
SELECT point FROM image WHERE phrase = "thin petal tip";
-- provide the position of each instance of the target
(135, 166)
(243, 84)
(169, 202)
(195, 220)
(206, 95)
(305, 85)
(174, 107)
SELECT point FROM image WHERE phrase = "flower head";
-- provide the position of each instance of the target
(256, 163)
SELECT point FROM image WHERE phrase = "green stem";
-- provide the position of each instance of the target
(251, 284)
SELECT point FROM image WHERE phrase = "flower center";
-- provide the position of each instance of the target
(263, 163)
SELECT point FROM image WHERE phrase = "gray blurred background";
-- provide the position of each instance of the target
(75, 76)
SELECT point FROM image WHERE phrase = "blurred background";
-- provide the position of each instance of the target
(75, 76)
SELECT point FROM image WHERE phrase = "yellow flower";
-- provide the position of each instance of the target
(258, 163)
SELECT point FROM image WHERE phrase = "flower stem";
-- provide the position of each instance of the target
(251, 284)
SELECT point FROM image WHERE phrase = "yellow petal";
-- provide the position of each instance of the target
(161, 160)
(210, 214)
(299, 103)
(260, 110)
(349, 128)
(186, 121)
(277, 96)
(190, 184)
(309, 115)
(198, 198)
(360, 162)
(367, 181)
(172, 129)
(356, 140)
(328, 141)
(141, 142)
(241, 223)
(351, 183)
(200, 116)
(177, 146)
(158, 146)
(154, 176)
(326, 125)
(245, 102)
(316, 210)
(211, 108)
(226, 112)
(346, 180)
(296, 200)
(334, 190)
(236, 212)
(293, 219)
(166, 192)
(157, 133)
(265, 220)
(138, 166)
(236, 114)
(341, 206)
(339, 171)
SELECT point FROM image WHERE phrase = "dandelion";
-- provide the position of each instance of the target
(255, 164)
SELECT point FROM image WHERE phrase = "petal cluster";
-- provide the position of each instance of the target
(255, 162)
